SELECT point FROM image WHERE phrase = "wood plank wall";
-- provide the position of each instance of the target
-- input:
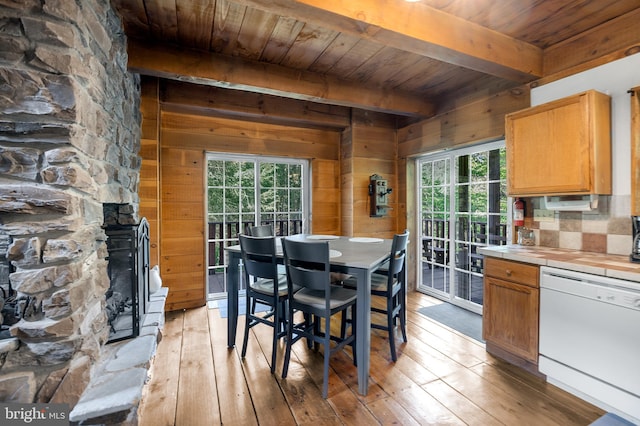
(149, 189)
(179, 129)
(369, 147)
(186, 135)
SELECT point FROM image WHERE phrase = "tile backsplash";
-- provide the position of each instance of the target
(605, 230)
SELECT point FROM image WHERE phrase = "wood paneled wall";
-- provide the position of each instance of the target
(149, 189)
(178, 130)
(369, 147)
(186, 135)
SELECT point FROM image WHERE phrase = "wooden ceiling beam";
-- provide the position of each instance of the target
(235, 73)
(209, 100)
(420, 29)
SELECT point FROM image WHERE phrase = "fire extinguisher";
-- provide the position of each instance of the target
(518, 212)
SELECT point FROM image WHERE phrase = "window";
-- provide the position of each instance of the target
(243, 191)
(463, 206)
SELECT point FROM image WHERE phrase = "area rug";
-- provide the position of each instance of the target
(611, 419)
(242, 307)
(466, 322)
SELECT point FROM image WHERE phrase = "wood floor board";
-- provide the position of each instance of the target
(162, 392)
(441, 378)
(555, 408)
(197, 394)
(388, 411)
(236, 406)
(462, 407)
(270, 404)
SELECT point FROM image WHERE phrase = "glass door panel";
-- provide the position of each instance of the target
(243, 191)
(463, 207)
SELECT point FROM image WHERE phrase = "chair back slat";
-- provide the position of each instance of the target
(397, 259)
(307, 264)
(259, 256)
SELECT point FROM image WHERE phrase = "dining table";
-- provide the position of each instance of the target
(355, 256)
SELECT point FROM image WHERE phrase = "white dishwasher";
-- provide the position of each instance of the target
(590, 338)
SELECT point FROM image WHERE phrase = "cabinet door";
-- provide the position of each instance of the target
(510, 317)
(562, 147)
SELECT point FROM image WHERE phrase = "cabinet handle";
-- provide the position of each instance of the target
(508, 271)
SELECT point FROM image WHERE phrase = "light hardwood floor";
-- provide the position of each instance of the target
(441, 377)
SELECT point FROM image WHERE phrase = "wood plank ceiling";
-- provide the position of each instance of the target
(392, 56)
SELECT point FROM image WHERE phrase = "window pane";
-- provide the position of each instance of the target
(282, 175)
(232, 200)
(267, 172)
(215, 200)
(478, 197)
(295, 176)
(427, 178)
(427, 199)
(462, 169)
(248, 175)
(267, 200)
(282, 200)
(440, 173)
(248, 200)
(232, 174)
(215, 173)
(479, 167)
(295, 200)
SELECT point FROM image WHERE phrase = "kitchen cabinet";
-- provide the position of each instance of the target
(561, 147)
(511, 311)
(635, 151)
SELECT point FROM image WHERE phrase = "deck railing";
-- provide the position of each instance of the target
(224, 234)
(469, 236)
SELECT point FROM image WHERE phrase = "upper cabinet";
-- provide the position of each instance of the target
(635, 151)
(560, 148)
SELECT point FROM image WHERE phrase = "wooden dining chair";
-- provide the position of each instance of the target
(264, 285)
(389, 282)
(307, 265)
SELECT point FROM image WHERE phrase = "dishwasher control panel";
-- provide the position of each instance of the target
(618, 297)
(605, 289)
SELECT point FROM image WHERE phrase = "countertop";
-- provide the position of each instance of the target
(609, 265)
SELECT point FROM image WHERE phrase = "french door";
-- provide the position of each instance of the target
(249, 190)
(463, 206)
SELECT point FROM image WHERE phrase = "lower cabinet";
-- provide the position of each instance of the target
(511, 311)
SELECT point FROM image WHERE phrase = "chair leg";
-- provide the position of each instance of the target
(287, 352)
(247, 326)
(327, 355)
(390, 326)
(403, 315)
(316, 330)
(276, 331)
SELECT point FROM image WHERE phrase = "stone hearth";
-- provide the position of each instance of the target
(69, 143)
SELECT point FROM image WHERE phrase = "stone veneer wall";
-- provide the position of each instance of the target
(69, 142)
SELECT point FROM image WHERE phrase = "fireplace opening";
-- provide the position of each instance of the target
(127, 299)
(13, 306)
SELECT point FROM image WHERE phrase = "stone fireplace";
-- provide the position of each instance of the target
(69, 143)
